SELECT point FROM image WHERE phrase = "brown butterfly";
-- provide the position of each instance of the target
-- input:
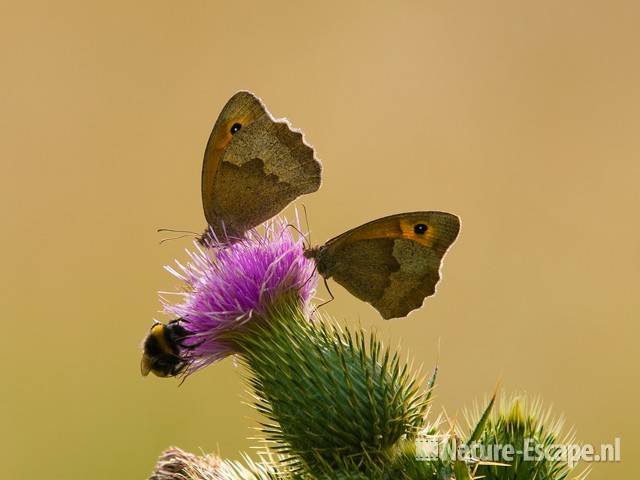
(254, 166)
(393, 263)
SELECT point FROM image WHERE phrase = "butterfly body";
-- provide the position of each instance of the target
(393, 263)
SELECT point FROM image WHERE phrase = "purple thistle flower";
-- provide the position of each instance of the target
(231, 286)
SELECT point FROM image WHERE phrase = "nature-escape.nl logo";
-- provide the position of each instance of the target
(432, 447)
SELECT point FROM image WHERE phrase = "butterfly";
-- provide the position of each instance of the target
(393, 263)
(254, 166)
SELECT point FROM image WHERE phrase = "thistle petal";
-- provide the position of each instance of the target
(230, 286)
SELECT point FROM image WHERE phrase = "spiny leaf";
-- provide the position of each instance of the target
(477, 431)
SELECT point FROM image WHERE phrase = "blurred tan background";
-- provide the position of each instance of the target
(521, 117)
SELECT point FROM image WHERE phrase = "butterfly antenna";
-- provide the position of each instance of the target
(160, 230)
(187, 233)
(177, 238)
(290, 225)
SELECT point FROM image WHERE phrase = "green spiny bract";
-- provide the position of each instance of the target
(335, 400)
(518, 420)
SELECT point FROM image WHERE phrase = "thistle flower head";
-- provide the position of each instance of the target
(523, 423)
(231, 286)
(176, 464)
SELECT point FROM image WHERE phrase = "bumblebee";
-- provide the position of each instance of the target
(161, 349)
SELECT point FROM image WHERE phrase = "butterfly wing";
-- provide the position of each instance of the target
(254, 166)
(393, 263)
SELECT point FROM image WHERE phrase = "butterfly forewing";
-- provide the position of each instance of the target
(254, 167)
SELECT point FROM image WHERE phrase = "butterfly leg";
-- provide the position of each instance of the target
(326, 285)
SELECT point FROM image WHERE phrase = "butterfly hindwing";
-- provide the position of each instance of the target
(364, 268)
(393, 263)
